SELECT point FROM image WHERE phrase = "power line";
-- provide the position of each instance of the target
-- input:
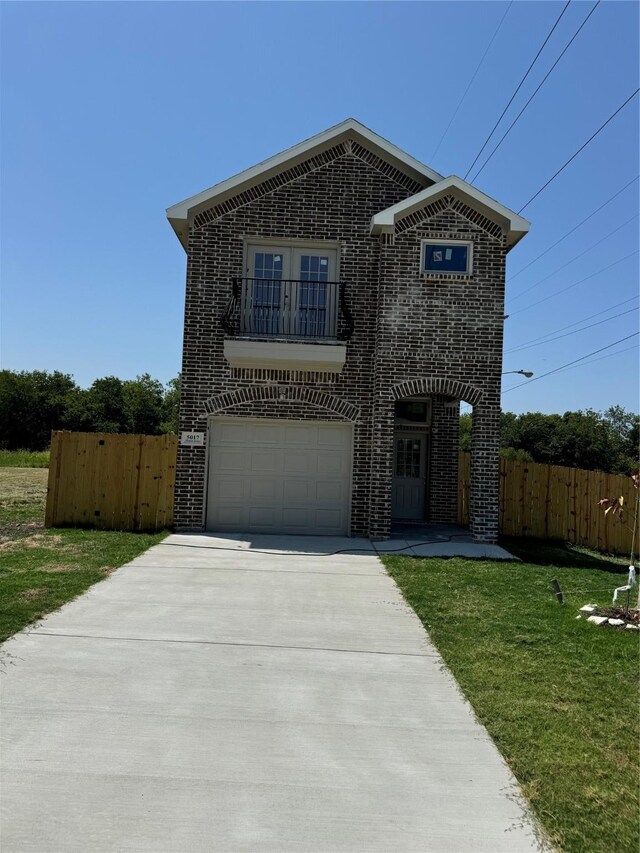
(577, 323)
(535, 59)
(575, 228)
(586, 251)
(569, 363)
(601, 358)
(582, 147)
(574, 332)
(575, 284)
(540, 85)
(475, 73)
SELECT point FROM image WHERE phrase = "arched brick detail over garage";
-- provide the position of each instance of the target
(437, 385)
(311, 396)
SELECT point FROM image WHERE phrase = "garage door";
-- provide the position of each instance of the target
(278, 476)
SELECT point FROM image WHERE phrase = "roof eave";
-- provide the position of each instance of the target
(181, 211)
(516, 226)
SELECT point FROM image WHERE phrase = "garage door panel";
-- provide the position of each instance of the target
(299, 435)
(230, 517)
(264, 461)
(297, 490)
(298, 463)
(329, 492)
(279, 476)
(330, 463)
(327, 519)
(229, 460)
(225, 433)
(263, 489)
(229, 489)
(328, 436)
(265, 433)
(263, 516)
(296, 517)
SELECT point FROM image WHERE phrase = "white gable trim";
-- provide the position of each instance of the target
(178, 214)
(516, 225)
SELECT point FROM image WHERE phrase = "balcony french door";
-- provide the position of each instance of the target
(290, 292)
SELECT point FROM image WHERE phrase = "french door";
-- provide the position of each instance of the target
(290, 292)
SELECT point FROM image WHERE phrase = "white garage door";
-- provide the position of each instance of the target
(278, 476)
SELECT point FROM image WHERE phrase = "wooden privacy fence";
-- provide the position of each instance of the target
(550, 501)
(115, 482)
(127, 482)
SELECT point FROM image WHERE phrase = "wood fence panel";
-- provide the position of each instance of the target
(113, 482)
(552, 501)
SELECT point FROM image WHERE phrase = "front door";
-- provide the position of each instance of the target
(409, 485)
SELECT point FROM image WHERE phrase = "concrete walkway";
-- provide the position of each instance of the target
(210, 697)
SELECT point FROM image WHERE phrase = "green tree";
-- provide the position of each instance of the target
(143, 402)
(32, 403)
(106, 405)
(171, 407)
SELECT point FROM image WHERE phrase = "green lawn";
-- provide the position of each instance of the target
(558, 695)
(42, 569)
(24, 458)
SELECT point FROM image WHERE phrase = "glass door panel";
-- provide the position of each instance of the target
(263, 295)
(316, 300)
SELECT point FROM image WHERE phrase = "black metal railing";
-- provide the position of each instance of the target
(283, 308)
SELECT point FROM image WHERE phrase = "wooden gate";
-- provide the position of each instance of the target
(554, 502)
(113, 482)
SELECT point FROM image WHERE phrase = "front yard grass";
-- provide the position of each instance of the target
(558, 695)
(41, 569)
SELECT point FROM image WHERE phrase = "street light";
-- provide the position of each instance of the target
(527, 373)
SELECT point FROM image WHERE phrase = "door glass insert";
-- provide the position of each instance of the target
(408, 457)
(312, 299)
(266, 293)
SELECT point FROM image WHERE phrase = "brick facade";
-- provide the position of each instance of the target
(414, 335)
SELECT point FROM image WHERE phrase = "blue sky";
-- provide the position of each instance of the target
(114, 111)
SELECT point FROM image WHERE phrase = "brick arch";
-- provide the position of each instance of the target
(437, 385)
(282, 392)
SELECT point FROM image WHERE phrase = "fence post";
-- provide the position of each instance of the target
(53, 480)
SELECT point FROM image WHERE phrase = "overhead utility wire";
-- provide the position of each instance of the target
(575, 228)
(569, 363)
(475, 73)
(574, 332)
(586, 251)
(600, 358)
(582, 147)
(519, 86)
(575, 284)
(540, 85)
(577, 323)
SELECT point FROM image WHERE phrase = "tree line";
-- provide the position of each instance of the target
(596, 441)
(32, 403)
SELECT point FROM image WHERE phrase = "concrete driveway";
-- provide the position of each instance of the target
(211, 697)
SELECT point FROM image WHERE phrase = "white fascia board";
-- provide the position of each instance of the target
(385, 220)
(180, 212)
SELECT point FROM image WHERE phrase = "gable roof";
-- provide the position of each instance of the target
(515, 225)
(178, 214)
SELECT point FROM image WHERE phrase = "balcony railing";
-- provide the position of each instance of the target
(283, 308)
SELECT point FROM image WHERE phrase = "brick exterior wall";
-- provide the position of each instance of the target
(440, 335)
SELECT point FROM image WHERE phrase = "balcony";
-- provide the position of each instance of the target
(287, 325)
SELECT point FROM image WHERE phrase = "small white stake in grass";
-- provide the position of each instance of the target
(631, 581)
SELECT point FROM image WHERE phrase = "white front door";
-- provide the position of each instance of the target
(409, 484)
(279, 476)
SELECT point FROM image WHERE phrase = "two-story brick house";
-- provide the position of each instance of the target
(342, 299)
